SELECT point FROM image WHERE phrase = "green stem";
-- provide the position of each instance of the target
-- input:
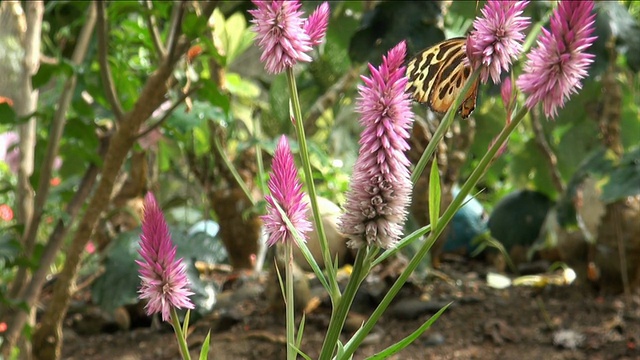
(478, 172)
(306, 166)
(289, 301)
(182, 340)
(361, 268)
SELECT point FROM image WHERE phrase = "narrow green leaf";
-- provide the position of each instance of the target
(401, 244)
(434, 194)
(397, 347)
(280, 282)
(185, 324)
(300, 331)
(205, 347)
(305, 356)
(304, 249)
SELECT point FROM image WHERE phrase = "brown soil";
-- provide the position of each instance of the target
(483, 323)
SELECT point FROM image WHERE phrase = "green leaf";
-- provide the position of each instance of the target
(205, 347)
(46, 71)
(434, 194)
(7, 114)
(243, 88)
(194, 26)
(10, 247)
(397, 347)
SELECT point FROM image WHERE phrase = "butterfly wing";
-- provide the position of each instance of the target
(437, 75)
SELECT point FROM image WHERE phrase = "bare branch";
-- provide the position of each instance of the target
(168, 113)
(174, 31)
(153, 30)
(105, 69)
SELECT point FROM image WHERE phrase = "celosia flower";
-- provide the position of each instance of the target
(496, 39)
(555, 68)
(508, 97)
(283, 35)
(286, 191)
(380, 189)
(316, 25)
(164, 279)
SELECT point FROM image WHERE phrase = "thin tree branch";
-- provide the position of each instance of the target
(152, 25)
(33, 287)
(105, 69)
(168, 113)
(174, 30)
(547, 152)
(47, 337)
(55, 134)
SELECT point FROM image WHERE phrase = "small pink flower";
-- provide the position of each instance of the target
(496, 39)
(6, 213)
(508, 97)
(286, 191)
(555, 68)
(283, 35)
(164, 279)
(380, 188)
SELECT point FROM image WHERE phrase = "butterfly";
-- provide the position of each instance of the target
(437, 75)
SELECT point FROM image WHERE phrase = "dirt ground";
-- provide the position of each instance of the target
(569, 322)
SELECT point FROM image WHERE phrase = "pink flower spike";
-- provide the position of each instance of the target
(286, 191)
(508, 97)
(555, 68)
(316, 25)
(496, 39)
(164, 279)
(380, 189)
(278, 25)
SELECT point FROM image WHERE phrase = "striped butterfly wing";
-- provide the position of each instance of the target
(437, 75)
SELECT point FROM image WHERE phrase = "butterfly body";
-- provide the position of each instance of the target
(437, 75)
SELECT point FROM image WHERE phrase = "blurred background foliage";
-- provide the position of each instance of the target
(232, 99)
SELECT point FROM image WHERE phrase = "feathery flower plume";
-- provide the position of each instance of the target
(286, 190)
(555, 68)
(164, 279)
(380, 190)
(316, 25)
(496, 39)
(283, 35)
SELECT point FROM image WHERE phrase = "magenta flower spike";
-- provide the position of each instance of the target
(316, 25)
(164, 279)
(283, 35)
(555, 68)
(496, 39)
(286, 191)
(380, 189)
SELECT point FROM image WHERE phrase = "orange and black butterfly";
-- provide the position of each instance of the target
(437, 75)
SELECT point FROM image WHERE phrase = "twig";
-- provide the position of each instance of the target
(105, 69)
(546, 151)
(174, 30)
(168, 113)
(153, 30)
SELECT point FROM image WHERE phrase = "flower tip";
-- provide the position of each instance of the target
(316, 25)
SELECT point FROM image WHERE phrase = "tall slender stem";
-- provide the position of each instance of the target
(306, 166)
(182, 340)
(361, 268)
(290, 303)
